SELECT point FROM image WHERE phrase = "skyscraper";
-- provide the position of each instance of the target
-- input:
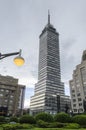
(78, 87)
(49, 86)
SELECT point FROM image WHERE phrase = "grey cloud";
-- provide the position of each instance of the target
(21, 22)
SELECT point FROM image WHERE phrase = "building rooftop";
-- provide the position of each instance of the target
(84, 55)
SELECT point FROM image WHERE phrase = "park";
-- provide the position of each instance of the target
(44, 121)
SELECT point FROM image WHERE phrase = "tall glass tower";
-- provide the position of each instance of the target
(49, 86)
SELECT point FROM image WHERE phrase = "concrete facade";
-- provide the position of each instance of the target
(78, 87)
(11, 96)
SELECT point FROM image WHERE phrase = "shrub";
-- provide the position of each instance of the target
(27, 126)
(8, 127)
(16, 126)
(15, 119)
(2, 119)
(7, 119)
(42, 124)
(23, 126)
(80, 119)
(62, 117)
(44, 116)
(72, 126)
(56, 125)
(27, 119)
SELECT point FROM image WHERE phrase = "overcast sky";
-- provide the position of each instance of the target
(22, 21)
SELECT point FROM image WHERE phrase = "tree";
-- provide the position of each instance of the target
(66, 108)
(84, 105)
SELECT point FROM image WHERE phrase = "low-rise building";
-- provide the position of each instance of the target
(11, 96)
(78, 87)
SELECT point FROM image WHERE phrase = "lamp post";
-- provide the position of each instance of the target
(19, 61)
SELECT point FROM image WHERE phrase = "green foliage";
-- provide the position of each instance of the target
(27, 126)
(16, 126)
(56, 125)
(72, 126)
(44, 116)
(7, 119)
(80, 119)
(27, 119)
(62, 117)
(9, 127)
(2, 119)
(15, 119)
(23, 126)
(42, 124)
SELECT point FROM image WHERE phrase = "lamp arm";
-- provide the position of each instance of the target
(7, 55)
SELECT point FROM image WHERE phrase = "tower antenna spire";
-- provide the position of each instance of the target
(48, 17)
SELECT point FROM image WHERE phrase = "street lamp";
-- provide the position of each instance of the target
(19, 61)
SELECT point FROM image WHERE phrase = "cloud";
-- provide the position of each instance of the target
(21, 23)
(27, 103)
(28, 81)
(28, 93)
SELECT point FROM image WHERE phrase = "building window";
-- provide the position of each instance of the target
(73, 91)
(74, 100)
(73, 95)
(79, 99)
(75, 110)
(78, 94)
(74, 105)
(80, 104)
(80, 110)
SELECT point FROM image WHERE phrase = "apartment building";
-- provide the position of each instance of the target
(78, 87)
(11, 96)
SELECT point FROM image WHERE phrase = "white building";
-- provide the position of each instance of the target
(78, 87)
